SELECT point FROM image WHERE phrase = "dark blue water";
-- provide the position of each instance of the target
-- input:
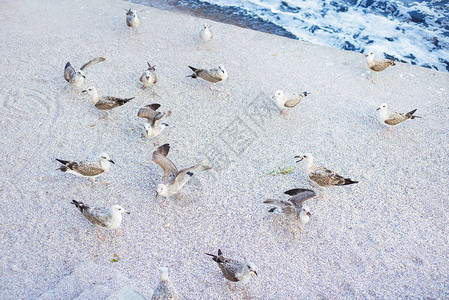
(415, 32)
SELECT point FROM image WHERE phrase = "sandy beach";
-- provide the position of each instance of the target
(385, 237)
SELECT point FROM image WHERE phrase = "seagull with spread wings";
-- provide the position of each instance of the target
(173, 180)
(76, 78)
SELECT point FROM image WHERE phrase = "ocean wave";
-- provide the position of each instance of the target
(414, 32)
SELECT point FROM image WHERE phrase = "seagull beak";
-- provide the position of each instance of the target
(157, 195)
(253, 273)
(112, 161)
(301, 158)
(127, 212)
(378, 108)
(84, 91)
(307, 213)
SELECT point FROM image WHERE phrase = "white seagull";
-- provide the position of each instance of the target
(76, 78)
(90, 170)
(289, 101)
(109, 218)
(392, 118)
(205, 33)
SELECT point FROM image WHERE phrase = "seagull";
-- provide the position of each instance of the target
(294, 206)
(205, 33)
(105, 102)
(377, 64)
(76, 78)
(173, 179)
(87, 169)
(320, 175)
(154, 126)
(132, 20)
(212, 75)
(234, 270)
(109, 218)
(165, 290)
(288, 101)
(148, 78)
(392, 118)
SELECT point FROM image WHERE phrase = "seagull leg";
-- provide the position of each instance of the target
(119, 232)
(104, 116)
(143, 87)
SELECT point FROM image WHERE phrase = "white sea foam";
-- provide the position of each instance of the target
(382, 26)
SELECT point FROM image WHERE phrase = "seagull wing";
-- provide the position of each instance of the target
(92, 62)
(88, 169)
(160, 157)
(98, 216)
(211, 75)
(69, 72)
(394, 118)
(326, 177)
(299, 196)
(181, 177)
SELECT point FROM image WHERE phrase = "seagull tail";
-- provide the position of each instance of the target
(80, 205)
(64, 162)
(128, 99)
(193, 69)
(67, 65)
(193, 76)
(410, 113)
(349, 181)
(272, 209)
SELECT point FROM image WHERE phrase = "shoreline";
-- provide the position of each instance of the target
(386, 237)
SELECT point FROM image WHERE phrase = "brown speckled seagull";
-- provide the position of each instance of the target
(234, 270)
(320, 175)
(214, 75)
(392, 118)
(165, 290)
(376, 64)
(87, 169)
(148, 78)
(105, 103)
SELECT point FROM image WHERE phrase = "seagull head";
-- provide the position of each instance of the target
(205, 26)
(147, 74)
(105, 156)
(221, 67)
(370, 54)
(163, 273)
(303, 156)
(131, 12)
(90, 90)
(252, 268)
(278, 95)
(120, 209)
(161, 190)
(306, 210)
(383, 107)
(81, 73)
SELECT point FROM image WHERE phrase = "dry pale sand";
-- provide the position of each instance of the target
(386, 237)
